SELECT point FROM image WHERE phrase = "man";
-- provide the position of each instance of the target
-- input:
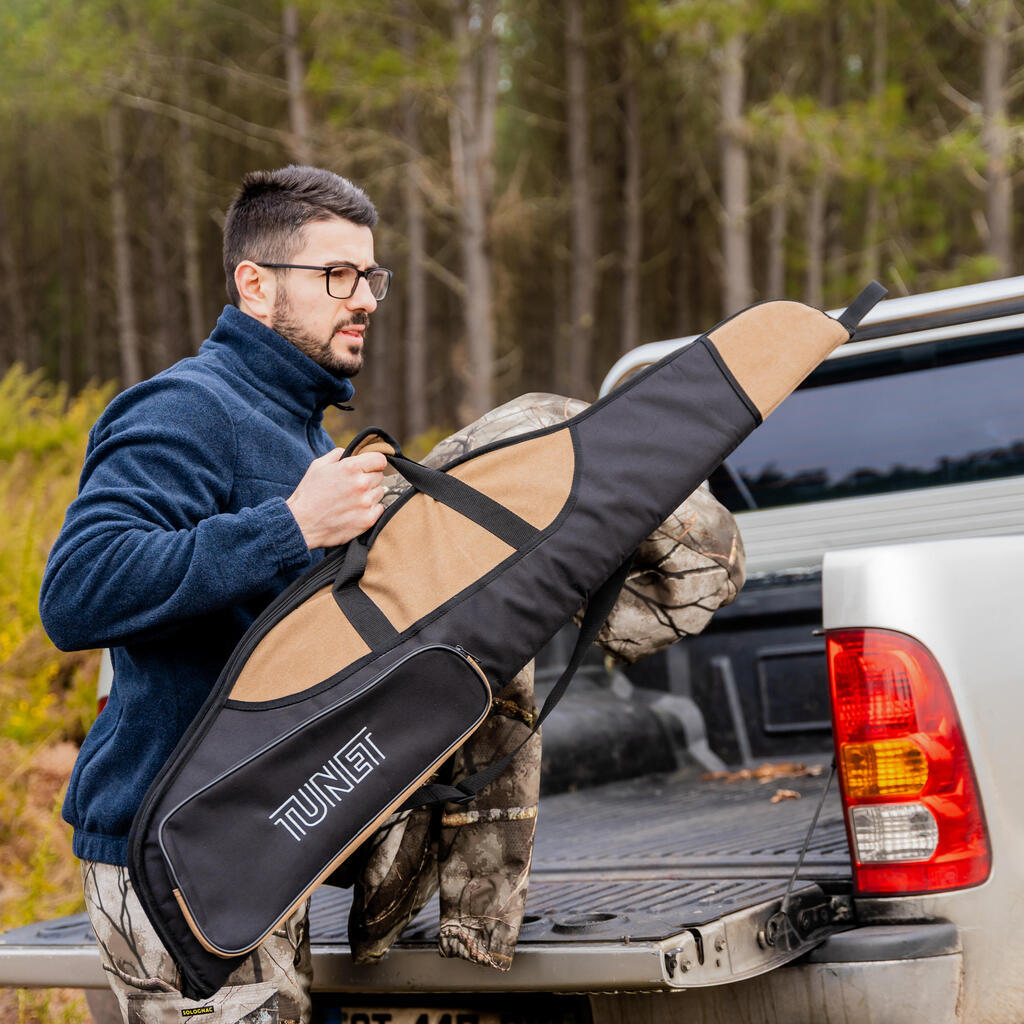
(206, 490)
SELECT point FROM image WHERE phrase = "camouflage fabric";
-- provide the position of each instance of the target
(687, 568)
(478, 856)
(271, 987)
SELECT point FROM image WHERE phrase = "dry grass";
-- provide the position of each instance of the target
(47, 699)
(43, 1006)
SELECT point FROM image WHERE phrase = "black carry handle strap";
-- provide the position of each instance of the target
(494, 517)
(357, 442)
(468, 501)
(862, 305)
(598, 609)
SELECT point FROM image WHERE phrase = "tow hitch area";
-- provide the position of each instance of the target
(754, 941)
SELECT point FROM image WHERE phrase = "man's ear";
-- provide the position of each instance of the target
(256, 291)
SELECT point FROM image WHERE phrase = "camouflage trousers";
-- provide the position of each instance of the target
(271, 987)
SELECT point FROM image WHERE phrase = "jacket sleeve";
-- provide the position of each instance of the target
(147, 543)
(687, 568)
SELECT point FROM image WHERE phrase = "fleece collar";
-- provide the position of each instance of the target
(274, 366)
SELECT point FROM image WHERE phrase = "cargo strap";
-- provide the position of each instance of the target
(780, 920)
(598, 609)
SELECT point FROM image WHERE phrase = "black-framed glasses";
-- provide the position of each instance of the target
(343, 278)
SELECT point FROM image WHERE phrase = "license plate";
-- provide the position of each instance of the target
(415, 1015)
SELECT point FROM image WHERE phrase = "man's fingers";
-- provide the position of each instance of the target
(369, 462)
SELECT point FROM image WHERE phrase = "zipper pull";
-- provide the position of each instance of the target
(462, 650)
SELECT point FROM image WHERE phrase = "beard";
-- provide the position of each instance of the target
(344, 363)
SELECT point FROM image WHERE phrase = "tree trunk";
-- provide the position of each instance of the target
(817, 205)
(776, 283)
(738, 290)
(814, 278)
(187, 170)
(996, 137)
(633, 226)
(871, 261)
(127, 321)
(295, 75)
(471, 127)
(376, 395)
(162, 350)
(66, 339)
(416, 416)
(19, 345)
(583, 231)
(92, 301)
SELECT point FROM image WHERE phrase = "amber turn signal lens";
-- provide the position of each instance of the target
(884, 768)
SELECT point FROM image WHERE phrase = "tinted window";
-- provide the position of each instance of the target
(921, 416)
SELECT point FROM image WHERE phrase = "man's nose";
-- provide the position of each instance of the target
(362, 298)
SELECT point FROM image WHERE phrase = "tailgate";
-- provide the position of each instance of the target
(656, 883)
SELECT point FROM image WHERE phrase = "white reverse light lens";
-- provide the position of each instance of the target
(888, 832)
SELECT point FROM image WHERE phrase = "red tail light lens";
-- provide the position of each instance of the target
(912, 807)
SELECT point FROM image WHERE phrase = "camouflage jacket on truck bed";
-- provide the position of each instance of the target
(478, 856)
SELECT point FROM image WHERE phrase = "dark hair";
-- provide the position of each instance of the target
(265, 220)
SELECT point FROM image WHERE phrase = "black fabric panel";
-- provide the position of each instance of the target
(638, 460)
(368, 749)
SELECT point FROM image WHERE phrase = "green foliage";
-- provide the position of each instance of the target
(47, 698)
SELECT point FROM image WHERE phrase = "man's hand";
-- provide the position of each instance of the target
(339, 498)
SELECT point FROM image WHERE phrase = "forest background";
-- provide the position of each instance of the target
(557, 183)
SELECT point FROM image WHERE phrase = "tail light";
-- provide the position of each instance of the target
(912, 808)
(104, 681)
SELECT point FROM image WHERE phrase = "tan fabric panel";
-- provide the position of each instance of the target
(425, 555)
(771, 348)
(373, 443)
(532, 478)
(303, 649)
(451, 552)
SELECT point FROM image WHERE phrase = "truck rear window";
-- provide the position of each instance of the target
(923, 415)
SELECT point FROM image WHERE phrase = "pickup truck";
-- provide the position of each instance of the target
(696, 859)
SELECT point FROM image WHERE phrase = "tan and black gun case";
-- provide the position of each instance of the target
(359, 680)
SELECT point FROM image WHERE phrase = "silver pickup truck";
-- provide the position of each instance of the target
(696, 862)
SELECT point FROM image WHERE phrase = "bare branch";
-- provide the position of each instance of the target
(445, 276)
(931, 69)
(225, 69)
(962, 24)
(265, 139)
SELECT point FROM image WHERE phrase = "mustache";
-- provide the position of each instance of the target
(358, 318)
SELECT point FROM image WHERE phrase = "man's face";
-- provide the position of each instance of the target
(328, 330)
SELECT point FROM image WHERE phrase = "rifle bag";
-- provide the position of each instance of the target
(359, 680)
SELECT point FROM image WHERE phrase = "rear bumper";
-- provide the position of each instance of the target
(889, 974)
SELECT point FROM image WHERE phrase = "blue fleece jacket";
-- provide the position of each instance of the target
(178, 538)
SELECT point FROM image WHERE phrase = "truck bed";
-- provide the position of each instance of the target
(633, 883)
